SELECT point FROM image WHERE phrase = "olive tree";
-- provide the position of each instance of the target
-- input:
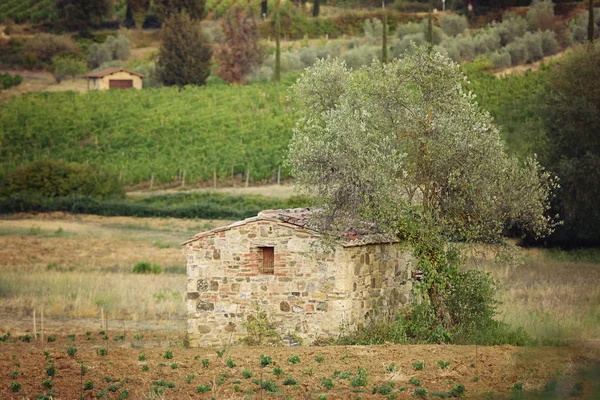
(402, 148)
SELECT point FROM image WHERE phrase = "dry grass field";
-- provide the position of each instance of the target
(76, 266)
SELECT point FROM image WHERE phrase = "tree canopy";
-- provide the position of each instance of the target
(572, 119)
(401, 145)
(185, 53)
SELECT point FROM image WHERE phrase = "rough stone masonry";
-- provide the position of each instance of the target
(275, 265)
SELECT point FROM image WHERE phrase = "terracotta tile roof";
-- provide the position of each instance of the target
(110, 71)
(300, 219)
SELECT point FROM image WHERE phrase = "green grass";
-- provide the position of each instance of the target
(206, 205)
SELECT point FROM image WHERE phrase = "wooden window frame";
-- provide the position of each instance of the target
(268, 260)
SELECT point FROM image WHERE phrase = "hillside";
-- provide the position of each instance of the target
(222, 129)
(219, 129)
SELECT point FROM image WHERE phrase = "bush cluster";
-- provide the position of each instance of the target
(114, 48)
(39, 50)
(56, 178)
(7, 80)
(198, 205)
(471, 306)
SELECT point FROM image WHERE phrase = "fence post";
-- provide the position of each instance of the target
(42, 333)
(278, 173)
(152, 181)
(247, 175)
(183, 179)
(34, 326)
(215, 177)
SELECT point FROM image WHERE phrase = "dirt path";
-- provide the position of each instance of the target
(533, 67)
(279, 191)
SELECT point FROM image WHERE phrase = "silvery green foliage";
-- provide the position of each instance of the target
(500, 59)
(518, 52)
(453, 25)
(118, 47)
(486, 41)
(402, 45)
(290, 61)
(402, 145)
(361, 56)
(260, 74)
(373, 28)
(533, 43)
(511, 28)
(408, 29)
(549, 43)
(540, 14)
(578, 26)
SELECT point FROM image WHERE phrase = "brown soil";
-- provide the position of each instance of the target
(497, 368)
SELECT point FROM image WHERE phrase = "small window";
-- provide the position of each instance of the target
(268, 260)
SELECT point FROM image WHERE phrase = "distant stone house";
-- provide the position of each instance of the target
(114, 78)
(272, 263)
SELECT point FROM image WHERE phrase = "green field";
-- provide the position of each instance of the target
(27, 10)
(230, 130)
(223, 129)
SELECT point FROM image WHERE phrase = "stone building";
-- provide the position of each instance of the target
(114, 78)
(276, 265)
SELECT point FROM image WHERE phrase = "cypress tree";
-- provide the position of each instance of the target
(185, 53)
(277, 76)
(129, 22)
(591, 21)
(316, 8)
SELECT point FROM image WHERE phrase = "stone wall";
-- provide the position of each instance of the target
(312, 293)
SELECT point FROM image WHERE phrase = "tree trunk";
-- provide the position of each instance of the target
(384, 49)
(277, 76)
(591, 21)
(439, 306)
(316, 7)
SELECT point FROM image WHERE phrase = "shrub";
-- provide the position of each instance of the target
(142, 357)
(453, 24)
(88, 385)
(373, 28)
(260, 74)
(47, 383)
(294, 359)
(168, 355)
(466, 46)
(408, 29)
(500, 59)
(361, 56)
(71, 351)
(511, 28)
(277, 371)
(415, 381)
(265, 360)
(360, 379)
(101, 352)
(151, 22)
(443, 364)
(290, 61)
(246, 373)
(118, 47)
(55, 178)
(7, 80)
(533, 43)
(418, 365)
(15, 387)
(203, 389)
(541, 15)
(205, 363)
(63, 66)
(549, 43)
(230, 363)
(145, 267)
(45, 46)
(486, 42)
(98, 54)
(319, 359)
(289, 381)
(421, 393)
(327, 383)
(518, 52)
(50, 370)
(145, 368)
